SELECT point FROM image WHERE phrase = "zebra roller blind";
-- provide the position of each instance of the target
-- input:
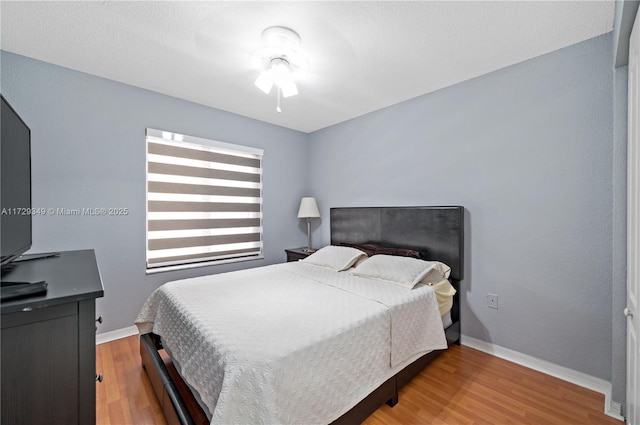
(204, 201)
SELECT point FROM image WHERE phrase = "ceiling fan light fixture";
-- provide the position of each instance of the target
(280, 75)
(279, 58)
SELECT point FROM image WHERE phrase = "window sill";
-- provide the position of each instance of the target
(162, 269)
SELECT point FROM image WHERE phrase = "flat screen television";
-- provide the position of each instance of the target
(15, 184)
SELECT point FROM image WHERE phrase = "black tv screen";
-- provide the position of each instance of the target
(15, 184)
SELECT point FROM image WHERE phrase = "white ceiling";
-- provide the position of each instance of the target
(364, 55)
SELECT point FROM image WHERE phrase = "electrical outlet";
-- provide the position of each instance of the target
(492, 301)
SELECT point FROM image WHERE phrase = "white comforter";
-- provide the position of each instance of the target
(290, 343)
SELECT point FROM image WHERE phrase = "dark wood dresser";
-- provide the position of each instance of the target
(48, 342)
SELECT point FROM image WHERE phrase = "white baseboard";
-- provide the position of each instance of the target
(611, 408)
(117, 334)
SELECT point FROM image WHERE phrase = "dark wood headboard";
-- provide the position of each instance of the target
(437, 232)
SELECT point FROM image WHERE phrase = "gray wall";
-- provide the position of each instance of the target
(88, 150)
(528, 151)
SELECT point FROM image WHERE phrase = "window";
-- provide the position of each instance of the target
(204, 201)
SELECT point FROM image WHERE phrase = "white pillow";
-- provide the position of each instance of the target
(404, 271)
(334, 257)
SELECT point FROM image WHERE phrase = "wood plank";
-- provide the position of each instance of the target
(125, 395)
(462, 386)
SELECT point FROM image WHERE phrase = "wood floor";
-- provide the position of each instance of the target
(462, 386)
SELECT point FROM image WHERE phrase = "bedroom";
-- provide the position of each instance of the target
(533, 150)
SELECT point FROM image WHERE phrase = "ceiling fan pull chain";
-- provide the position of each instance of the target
(278, 101)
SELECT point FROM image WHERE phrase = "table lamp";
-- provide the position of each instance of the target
(308, 209)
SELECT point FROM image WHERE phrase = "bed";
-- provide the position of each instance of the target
(345, 344)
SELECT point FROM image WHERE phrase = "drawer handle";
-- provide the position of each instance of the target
(99, 377)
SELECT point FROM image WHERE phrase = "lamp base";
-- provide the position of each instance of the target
(309, 250)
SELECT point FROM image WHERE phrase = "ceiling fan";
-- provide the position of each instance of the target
(279, 58)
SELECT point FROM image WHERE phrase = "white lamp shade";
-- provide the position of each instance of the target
(308, 208)
(264, 81)
(282, 78)
(288, 88)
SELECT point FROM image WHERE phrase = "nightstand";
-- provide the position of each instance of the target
(295, 254)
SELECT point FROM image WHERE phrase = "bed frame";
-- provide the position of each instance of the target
(436, 232)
